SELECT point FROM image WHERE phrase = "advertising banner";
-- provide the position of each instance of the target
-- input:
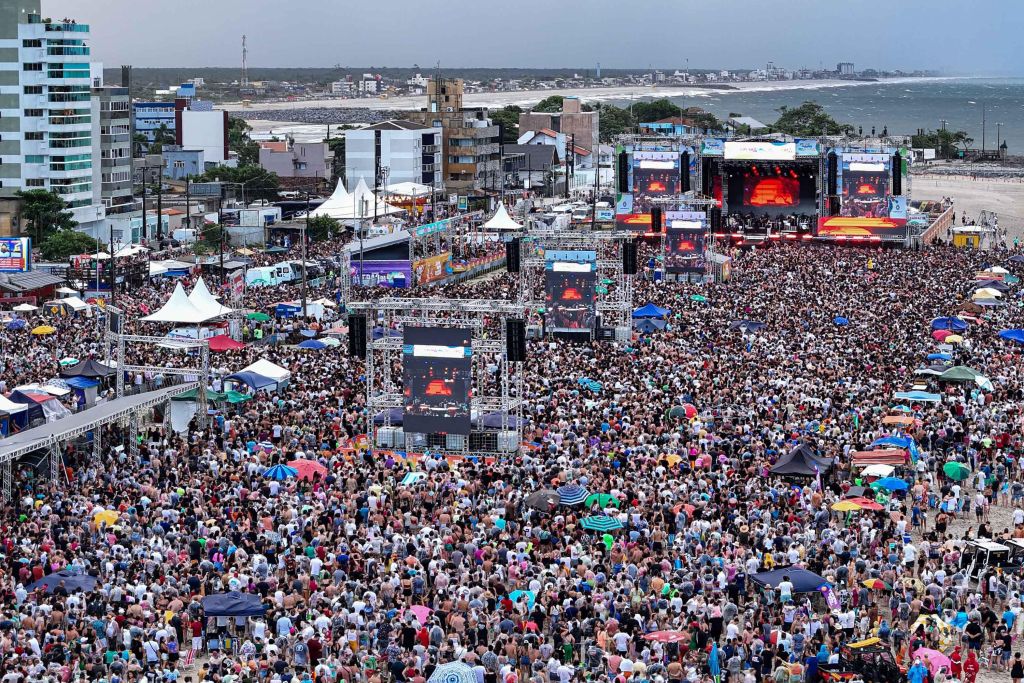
(396, 274)
(712, 147)
(437, 379)
(237, 281)
(807, 148)
(760, 151)
(15, 254)
(433, 268)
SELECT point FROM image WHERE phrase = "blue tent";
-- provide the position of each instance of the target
(803, 581)
(73, 582)
(251, 379)
(287, 311)
(396, 415)
(954, 324)
(746, 325)
(493, 421)
(940, 356)
(314, 344)
(1013, 335)
(840, 321)
(650, 311)
(906, 442)
(648, 325)
(918, 396)
(233, 605)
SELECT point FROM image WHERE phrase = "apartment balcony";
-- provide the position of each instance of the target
(431, 149)
(67, 51)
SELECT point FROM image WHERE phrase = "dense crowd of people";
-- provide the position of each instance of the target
(366, 575)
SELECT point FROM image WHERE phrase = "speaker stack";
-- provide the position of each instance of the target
(897, 174)
(684, 171)
(515, 339)
(357, 335)
(629, 258)
(623, 172)
(512, 255)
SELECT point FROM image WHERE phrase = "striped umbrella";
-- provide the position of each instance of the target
(280, 472)
(572, 494)
(600, 523)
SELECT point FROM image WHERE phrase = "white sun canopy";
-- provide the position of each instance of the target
(501, 221)
(359, 204)
(179, 309)
(202, 299)
(267, 369)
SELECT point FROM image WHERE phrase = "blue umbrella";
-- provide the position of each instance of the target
(307, 333)
(314, 344)
(892, 484)
(600, 523)
(1013, 335)
(280, 472)
(73, 582)
(453, 672)
(572, 494)
(954, 324)
(840, 321)
(531, 597)
(944, 356)
(17, 324)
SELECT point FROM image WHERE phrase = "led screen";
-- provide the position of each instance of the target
(569, 293)
(437, 379)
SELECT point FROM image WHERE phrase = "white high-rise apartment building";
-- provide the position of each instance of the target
(46, 117)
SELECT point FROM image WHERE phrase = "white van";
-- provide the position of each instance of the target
(262, 276)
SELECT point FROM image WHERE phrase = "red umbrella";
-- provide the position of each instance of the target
(308, 468)
(939, 335)
(691, 410)
(223, 342)
(866, 503)
(666, 636)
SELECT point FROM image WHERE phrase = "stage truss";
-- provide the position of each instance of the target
(615, 306)
(497, 383)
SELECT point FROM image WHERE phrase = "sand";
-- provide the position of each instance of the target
(970, 196)
(529, 97)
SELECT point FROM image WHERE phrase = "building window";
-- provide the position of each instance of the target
(34, 159)
(33, 90)
(32, 42)
(33, 136)
(32, 66)
(30, 113)
(179, 164)
(35, 182)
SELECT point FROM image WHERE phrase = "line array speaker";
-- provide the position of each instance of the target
(832, 173)
(897, 174)
(357, 335)
(629, 257)
(656, 219)
(512, 255)
(623, 172)
(515, 339)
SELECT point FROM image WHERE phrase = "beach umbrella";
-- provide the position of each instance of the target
(890, 484)
(572, 494)
(878, 470)
(942, 356)
(700, 298)
(108, 517)
(986, 293)
(531, 598)
(687, 410)
(846, 506)
(308, 469)
(330, 341)
(960, 373)
(453, 672)
(671, 459)
(954, 339)
(421, 612)
(313, 345)
(279, 472)
(544, 500)
(43, 330)
(1013, 335)
(258, 317)
(940, 335)
(73, 582)
(667, 636)
(876, 584)
(603, 500)
(866, 504)
(1019, 258)
(17, 324)
(933, 659)
(952, 323)
(840, 321)
(600, 523)
(412, 478)
(956, 470)
(25, 308)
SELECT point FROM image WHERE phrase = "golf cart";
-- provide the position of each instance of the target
(981, 554)
(871, 660)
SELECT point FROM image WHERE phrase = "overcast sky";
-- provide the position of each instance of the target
(951, 35)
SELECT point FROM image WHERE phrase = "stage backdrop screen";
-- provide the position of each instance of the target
(867, 205)
(569, 296)
(684, 241)
(771, 191)
(655, 174)
(437, 379)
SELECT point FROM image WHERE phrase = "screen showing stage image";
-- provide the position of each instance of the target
(569, 296)
(773, 192)
(655, 174)
(684, 249)
(437, 379)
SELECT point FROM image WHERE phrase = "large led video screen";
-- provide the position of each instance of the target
(569, 296)
(684, 246)
(437, 379)
(772, 191)
(867, 207)
(655, 174)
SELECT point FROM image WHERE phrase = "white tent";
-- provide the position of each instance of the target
(501, 221)
(267, 369)
(9, 406)
(179, 309)
(25, 308)
(202, 299)
(409, 189)
(336, 202)
(359, 204)
(75, 303)
(130, 250)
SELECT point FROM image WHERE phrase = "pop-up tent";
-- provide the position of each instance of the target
(267, 369)
(202, 299)
(88, 368)
(501, 221)
(50, 408)
(233, 604)
(650, 311)
(359, 204)
(252, 379)
(648, 325)
(179, 309)
(803, 581)
(801, 462)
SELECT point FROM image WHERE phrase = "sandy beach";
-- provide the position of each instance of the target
(1005, 196)
(528, 97)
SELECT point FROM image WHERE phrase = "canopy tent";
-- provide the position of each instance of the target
(223, 342)
(395, 417)
(88, 368)
(52, 409)
(359, 204)
(252, 379)
(214, 396)
(267, 369)
(202, 299)
(650, 311)
(338, 199)
(803, 581)
(648, 325)
(179, 309)
(501, 220)
(959, 373)
(74, 582)
(954, 324)
(72, 302)
(409, 189)
(921, 396)
(233, 604)
(801, 462)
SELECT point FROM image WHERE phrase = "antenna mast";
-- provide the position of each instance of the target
(245, 67)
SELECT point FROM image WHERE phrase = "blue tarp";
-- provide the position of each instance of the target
(648, 325)
(82, 382)
(233, 605)
(918, 396)
(840, 321)
(803, 581)
(252, 380)
(939, 356)
(1013, 335)
(906, 442)
(650, 311)
(954, 324)
(396, 415)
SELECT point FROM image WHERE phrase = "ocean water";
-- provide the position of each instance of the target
(901, 106)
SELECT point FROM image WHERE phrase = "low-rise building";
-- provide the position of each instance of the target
(409, 151)
(575, 123)
(290, 159)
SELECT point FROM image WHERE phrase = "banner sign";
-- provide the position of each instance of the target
(432, 269)
(15, 254)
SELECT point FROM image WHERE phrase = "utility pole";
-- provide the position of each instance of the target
(983, 128)
(145, 226)
(113, 273)
(160, 206)
(188, 202)
(305, 229)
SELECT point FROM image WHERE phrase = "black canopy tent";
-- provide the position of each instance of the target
(801, 462)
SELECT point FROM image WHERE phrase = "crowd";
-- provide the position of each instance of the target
(365, 578)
